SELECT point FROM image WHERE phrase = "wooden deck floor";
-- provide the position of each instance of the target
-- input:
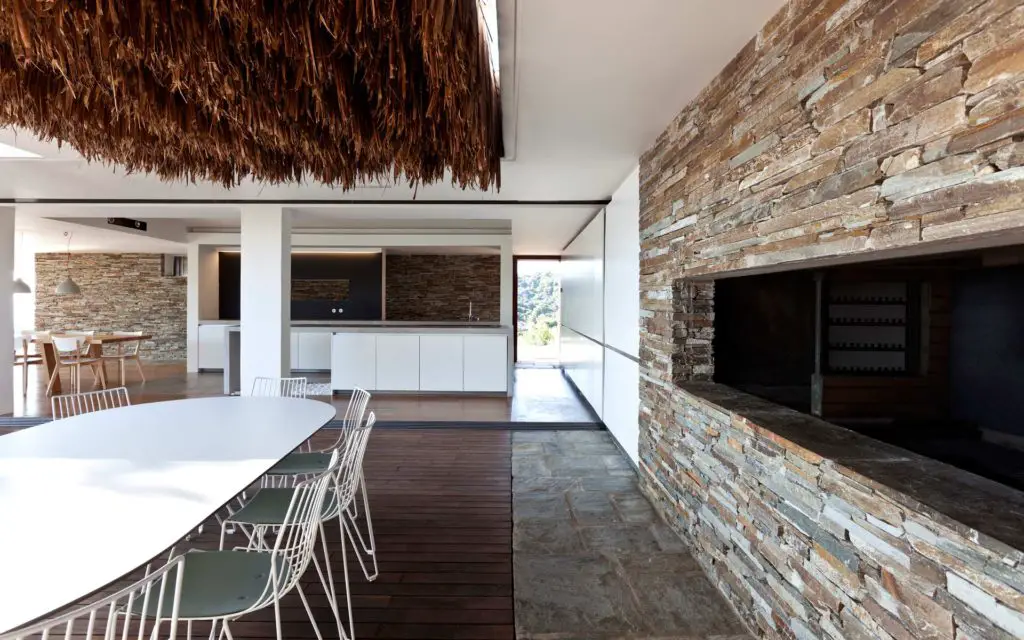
(442, 510)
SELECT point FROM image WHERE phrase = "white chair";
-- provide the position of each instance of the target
(282, 388)
(24, 357)
(127, 351)
(72, 351)
(279, 387)
(106, 617)
(74, 404)
(303, 464)
(268, 388)
(222, 586)
(268, 509)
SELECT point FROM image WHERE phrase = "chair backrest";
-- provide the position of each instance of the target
(131, 348)
(279, 387)
(107, 619)
(357, 404)
(296, 538)
(74, 404)
(70, 346)
(350, 453)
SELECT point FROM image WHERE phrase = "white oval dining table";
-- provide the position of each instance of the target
(89, 499)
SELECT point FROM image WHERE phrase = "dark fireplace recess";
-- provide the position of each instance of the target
(925, 354)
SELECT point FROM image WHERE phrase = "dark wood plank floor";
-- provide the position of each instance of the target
(442, 510)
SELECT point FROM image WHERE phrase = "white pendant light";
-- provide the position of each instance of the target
(20, 286)
(68, 287)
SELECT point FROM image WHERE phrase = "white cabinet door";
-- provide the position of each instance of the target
(485, 363)
(315, 351)
(296, 363)
(440, 363)
(398, 362)
(211, 346)
(353, 361)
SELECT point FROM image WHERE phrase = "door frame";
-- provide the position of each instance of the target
(515, 299)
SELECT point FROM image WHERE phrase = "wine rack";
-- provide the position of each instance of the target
(866, 328)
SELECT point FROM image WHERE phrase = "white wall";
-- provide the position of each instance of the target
(583, 281)
(600, 337)
(622, 315)
(582, 332)
(622, 267)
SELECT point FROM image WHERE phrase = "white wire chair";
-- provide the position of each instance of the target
(74, 404)
(101, 619)
(222, 586)
(298, 465)
(279, 387)
(267, 510)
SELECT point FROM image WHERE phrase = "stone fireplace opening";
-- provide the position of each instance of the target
(926, 354)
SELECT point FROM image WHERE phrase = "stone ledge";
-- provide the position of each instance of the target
(989, 513)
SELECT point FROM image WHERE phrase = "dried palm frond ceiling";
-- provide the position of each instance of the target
(339, 91)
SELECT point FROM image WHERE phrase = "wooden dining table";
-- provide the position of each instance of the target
(96, 342)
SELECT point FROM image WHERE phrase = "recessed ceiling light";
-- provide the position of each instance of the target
(7, 151)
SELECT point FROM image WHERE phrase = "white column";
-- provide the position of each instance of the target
(7, 306)
(506, 283)
(203, 296)
(266, 293)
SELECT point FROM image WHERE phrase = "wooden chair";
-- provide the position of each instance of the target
(127, 351)
(24, 358)
(72, 351)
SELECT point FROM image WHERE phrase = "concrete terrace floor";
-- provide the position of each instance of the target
(591, 559)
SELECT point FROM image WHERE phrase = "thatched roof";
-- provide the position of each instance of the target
(339, 91)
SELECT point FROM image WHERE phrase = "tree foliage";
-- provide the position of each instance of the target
(538, 306)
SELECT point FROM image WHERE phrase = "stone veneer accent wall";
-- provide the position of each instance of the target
(814, 531)
(850, 129)
(440, 287)
(120, 292)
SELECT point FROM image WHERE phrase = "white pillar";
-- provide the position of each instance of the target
(507, 303)
(203, 296)
(7, 306)
(266, 293)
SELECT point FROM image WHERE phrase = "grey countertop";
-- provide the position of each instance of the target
(385, 326)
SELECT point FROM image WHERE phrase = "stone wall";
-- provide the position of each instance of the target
(814, 531)
(440, 287)
(120, 292)
(320, 289)
(845, 130)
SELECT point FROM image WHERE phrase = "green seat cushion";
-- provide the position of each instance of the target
(216, 584)
(270, 506)
(295, 464)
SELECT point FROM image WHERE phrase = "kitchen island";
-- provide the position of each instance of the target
(391, 356)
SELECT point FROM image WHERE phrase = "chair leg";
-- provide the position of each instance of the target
(53, 379)
(368, 549)
(138, 363)
(103, 375)
(309, 611)
(24, 380)
(328, 581)
(344, 568)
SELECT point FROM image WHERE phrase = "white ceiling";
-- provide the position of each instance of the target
(587, 85)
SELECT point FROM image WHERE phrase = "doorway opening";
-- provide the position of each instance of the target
(538, 292)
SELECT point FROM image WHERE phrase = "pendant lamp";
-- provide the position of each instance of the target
(68, 287)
